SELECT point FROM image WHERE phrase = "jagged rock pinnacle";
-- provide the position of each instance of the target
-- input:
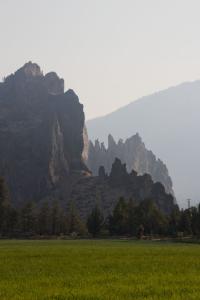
(30, 70)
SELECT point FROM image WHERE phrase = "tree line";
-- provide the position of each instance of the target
(128, 218)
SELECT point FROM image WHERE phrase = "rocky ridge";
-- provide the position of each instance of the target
(134, 154)
(105, 190)
(44, 146)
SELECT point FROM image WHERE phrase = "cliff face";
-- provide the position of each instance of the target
(134, 154)
(44, 144)
(107, 189)
(41, 133)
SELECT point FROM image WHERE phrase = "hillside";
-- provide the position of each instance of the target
(168, 122)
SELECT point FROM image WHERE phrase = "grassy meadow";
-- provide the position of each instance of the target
(99, 270)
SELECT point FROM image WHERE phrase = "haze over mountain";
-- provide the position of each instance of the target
(169, 123)
(134, 154)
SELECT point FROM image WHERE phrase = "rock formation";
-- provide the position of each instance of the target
(169, 122)
(41, 133)
(107, 189)
(44, 144)
(132, 152)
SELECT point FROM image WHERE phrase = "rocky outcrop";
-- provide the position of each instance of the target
(107, 189)
(54, 84)
(132, 152)
(41, 133)
(44, 144)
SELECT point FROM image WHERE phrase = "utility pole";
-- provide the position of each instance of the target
(188, 201)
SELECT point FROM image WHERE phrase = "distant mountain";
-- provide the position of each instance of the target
(169, 123)
(134, 154)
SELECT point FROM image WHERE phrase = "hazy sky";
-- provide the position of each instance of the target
(109, 51)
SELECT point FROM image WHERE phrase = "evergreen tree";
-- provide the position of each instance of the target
(28, 219)
(186, 222)
(151, 217)
(118, 221)
(132, 225)
(174, 220)
(12, 222)
(74, 222)
(4, 206)
(95, 221)
(56, 218)
(43, 226)
(194, 220)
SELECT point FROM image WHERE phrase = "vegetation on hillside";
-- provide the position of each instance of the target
(129, 218)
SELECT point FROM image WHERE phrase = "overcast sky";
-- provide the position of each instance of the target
(109, 51)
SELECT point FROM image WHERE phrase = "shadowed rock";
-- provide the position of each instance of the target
(41, 133)
(44, 143)
(134, 154)
(107, 190)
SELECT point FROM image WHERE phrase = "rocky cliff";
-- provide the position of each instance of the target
(44, 144)
(41, 133)
(107, 189)
(134, 154)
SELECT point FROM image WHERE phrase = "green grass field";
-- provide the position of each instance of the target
(98, 270)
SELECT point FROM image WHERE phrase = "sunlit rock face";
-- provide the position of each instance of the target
(134, 154)
(41, 133)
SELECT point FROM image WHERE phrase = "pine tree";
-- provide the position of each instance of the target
(28, 219)
(4, 206)
(131, 218)
(43, 220)
(57, 219)
(151, 217)
(174, 220)
(95, 221)
(74, 223)
(186, 222)
(118, 221)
